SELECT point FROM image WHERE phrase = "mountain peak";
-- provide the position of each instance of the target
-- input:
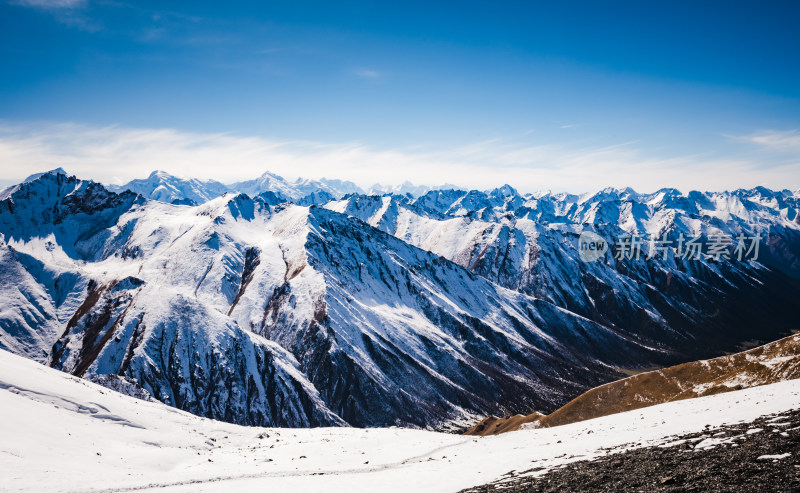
(56, 171)
(160, 174)
(506, 191)
(270, 174)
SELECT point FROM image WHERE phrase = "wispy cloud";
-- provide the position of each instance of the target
(52, 4)
(106, 153)
(68, 12)
(775, 140)
(368, 73)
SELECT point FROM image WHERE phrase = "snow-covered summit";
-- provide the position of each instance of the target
(165, 187)
(56, 171)
(294, 190)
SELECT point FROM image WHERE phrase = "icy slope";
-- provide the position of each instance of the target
(61, 433)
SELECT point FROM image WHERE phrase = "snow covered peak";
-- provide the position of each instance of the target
(57, 171)
(504, 191)
(337, 188)
(404, 188)
(164, 187)
(296, 190)
(269, 175)
(160, 174)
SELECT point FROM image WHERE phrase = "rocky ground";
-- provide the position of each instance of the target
(730, 458)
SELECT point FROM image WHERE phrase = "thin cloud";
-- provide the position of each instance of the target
(368, 74)
(52, 4)
(775, 140)
(118, 153)
(68, 12)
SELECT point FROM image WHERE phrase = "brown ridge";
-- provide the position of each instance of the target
(771, 363)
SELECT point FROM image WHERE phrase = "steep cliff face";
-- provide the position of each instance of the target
(187, 356)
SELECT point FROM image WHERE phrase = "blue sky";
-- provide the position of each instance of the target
(560, 95)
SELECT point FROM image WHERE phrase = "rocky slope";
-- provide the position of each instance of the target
(761, 455)
(774, 362)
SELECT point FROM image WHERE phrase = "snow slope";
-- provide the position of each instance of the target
(62, 433)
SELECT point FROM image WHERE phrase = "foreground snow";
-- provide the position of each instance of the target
(61, 433)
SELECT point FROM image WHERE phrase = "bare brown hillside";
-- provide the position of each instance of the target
(773, 362)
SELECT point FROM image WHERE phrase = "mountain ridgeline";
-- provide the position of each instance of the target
(310, 303)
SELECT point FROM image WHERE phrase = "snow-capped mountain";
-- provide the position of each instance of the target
(164, 187)
(408, 189)
(294, 190)
(530, 245)
(375, 310)
(56, 171)
(268, 182)
(215, 308)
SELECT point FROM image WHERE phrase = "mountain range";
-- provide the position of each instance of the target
(165, 187)
(311, 303)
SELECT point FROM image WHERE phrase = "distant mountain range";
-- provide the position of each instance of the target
(165, 187)
(311, 303)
